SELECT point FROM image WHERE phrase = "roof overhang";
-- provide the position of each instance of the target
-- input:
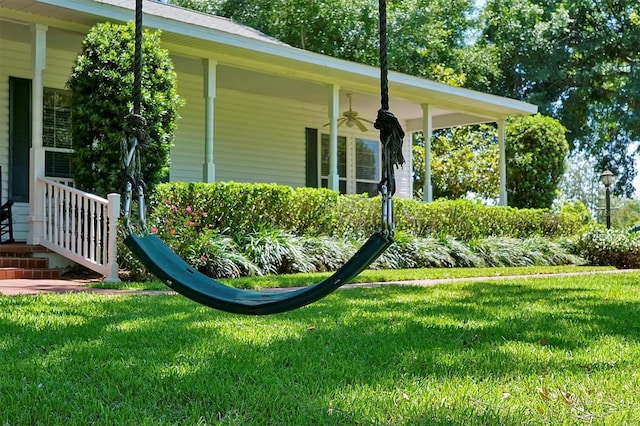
(196, 36)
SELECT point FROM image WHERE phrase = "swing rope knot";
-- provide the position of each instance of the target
(391, 136)
(135, 125)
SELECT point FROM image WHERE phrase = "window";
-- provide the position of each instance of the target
(358, 164)
(342, 162)
(367, 166)
(56, 132)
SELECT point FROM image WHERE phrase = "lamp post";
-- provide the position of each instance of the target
(607, 178)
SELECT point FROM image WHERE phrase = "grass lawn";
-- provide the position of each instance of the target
(368, 276)
(549, 350)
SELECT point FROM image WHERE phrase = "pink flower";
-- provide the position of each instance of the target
(154, 230)
(203, 258)
(204, 214)
(174, 208)
(188, 209)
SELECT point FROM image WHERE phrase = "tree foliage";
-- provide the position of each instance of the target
(102, 84)
(464, 162)
(581, 182)
(578, 61)
(536, 147)
(426, 37)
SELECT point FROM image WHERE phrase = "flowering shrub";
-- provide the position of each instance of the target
(609, 247)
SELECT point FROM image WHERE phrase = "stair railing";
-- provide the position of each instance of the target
(81, 226)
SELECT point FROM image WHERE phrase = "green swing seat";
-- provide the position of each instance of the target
(165, 264)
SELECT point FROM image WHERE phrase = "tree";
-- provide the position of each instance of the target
(581, 181)
(536, 148)
(464, 162)
(625, 213)
(102, 84)
(425, 36)
(578, 60)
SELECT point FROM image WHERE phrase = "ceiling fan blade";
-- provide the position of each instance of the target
(340, 122)
(361, 126)
(365, 120)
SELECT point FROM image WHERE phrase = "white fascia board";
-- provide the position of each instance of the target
(408, 87)
(444, 95)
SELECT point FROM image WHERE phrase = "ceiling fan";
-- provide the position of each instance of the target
(350, 118)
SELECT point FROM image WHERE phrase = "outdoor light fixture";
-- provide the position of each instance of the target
(607, 178)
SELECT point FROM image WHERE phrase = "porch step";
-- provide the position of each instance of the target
(17, 262)
(29, 274)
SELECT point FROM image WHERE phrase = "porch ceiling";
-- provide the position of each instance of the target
(253, 62)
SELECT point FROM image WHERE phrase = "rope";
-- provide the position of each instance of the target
(391, 133)
(384, 64)
(135, 135)
(137, 61)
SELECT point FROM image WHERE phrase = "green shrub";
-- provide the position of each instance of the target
(238, 207)
(230, 229)
(416, 252)
(535, 155)
(276, 252)
(599, 246)
(328, 253)
(218, 256)
(243, 208)
(101, 83)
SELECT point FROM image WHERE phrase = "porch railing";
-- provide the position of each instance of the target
(81, 226)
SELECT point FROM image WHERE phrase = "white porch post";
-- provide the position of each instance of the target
(502, 135)
(113, 214)
(334, 111)
(209, 167)
(427, 126)
(36, 153)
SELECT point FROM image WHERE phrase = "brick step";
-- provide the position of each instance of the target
(21, 250)
(17, 261)
(29, 274)
(24, 262)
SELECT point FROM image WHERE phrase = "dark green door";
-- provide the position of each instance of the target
(19, 138)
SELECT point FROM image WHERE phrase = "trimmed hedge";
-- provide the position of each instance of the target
(243, 208)
(232, 229)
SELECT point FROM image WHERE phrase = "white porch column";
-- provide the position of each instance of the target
(36, 153)
(502, 135)
(427, 129)
(334, 112)
(209, 167)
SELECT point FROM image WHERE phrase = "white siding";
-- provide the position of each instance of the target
(187, 154)
(260, 139)
(256, 138)
(59, 67)
(15, 57)
(16, 62)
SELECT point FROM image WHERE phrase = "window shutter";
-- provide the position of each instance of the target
(311, 144)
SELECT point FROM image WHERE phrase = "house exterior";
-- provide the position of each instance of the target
(257, 110)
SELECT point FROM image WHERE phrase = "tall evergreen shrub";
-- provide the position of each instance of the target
(102, 88)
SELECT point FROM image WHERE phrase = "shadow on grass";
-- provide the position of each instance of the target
(164, 359)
